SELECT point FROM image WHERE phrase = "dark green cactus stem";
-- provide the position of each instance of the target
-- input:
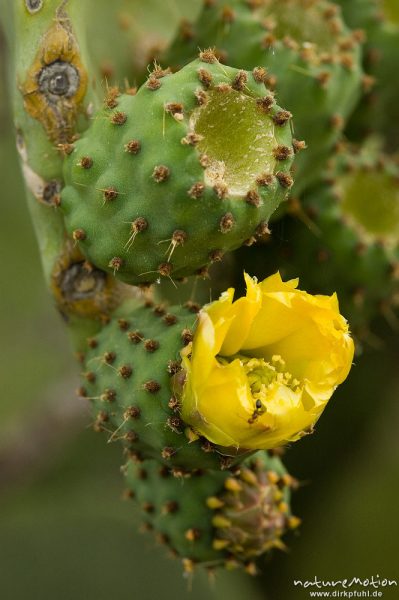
(53, 99)
(50, 87)
(128, 379)
(308, 52)
(382, 111)
(168, 180)
(216, 518)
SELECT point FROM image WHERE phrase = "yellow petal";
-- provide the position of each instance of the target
(214, 407)
(243, 312)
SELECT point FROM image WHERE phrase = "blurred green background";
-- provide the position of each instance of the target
(65, 533)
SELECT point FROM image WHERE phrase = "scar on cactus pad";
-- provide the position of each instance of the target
(56, 83)
(33, 6)
(189, 168)
(234, 164)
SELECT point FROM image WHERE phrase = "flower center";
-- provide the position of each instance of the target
(262, 377)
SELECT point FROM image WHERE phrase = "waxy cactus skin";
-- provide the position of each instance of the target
(167, 181)
(128, 379)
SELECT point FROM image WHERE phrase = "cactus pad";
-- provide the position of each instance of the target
(128, 374)
(166, 181)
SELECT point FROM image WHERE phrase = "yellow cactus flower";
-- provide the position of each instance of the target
(261, 369)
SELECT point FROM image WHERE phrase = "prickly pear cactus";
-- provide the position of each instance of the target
(166, 181)
(215, 518)
(308, 52)
(135, 188)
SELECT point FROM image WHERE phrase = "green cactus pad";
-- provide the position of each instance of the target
(378, 111)
(215, 518)
(168, 180)
(122, 35)
(381, 109)
(128, 371)
(312, 61)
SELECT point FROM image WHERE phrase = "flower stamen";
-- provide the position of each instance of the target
(262, 377)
